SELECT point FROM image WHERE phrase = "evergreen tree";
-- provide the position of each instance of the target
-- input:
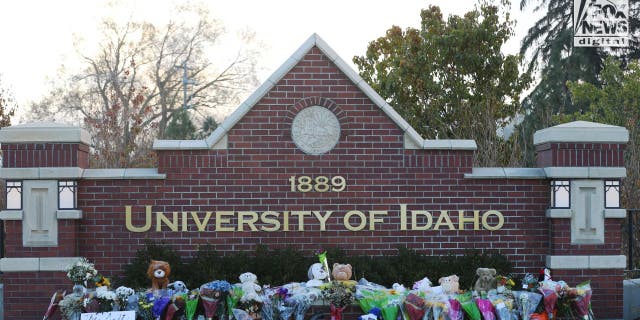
(180, 126)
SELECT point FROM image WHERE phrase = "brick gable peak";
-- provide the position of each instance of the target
(218, 138)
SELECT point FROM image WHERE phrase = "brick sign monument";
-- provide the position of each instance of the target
(314, 158)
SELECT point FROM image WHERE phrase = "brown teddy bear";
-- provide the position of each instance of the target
(341, 271)
(159, 272)
(486, 280)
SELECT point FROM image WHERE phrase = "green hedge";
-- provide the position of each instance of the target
(280, 266)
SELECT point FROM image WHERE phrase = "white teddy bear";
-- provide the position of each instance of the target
(249, 287)
(317, 275)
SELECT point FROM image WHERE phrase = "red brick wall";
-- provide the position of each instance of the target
(580, 155)
(27, 294)
(67, 241)
(253, 173)
(560, 230)
(45, 155)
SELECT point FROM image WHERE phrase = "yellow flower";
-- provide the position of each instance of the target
(104, 282)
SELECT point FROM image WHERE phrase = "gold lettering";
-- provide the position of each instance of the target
(363, 220)
(129, 224)
(220, 220)
(485, 218)
(322, 219)
(373, 219)
(285, 221)
(462, 220)
(201, 224)
(274, 221)
(414, 220)
(444, 216)
(172, 224)
(253, 218)
(403, 217)
(184, 221)
(301, 215)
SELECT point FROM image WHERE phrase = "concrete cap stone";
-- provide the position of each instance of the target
(582, 131)
(44, 132)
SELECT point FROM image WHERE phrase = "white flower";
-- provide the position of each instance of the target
(104, 293)
(124, 292)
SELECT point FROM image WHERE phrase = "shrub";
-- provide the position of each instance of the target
(285, 265)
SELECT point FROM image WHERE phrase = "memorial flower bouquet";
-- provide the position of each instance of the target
(276, 304)
(191, 304)
(504, 282)
(106, 299)
(339, 296)
(549, 297)
(455, 310)
(71, 306)
(503, 306)
(391, 304)
(415, 306)
(301, 300)
(469, 306)
(145, 304)
(582, 300)
(486, 309)
(123, 297)
(212, 294)
(526, 302)
(81, 271)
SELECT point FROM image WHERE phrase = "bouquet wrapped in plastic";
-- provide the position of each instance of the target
(415, 306)
(339, 296)
(439, 306)
(486, 309)
(503, 306)
(469, 306)
(582, 300)
(212, 294)
(549, 297)
(391, 306)
(369, 297)
(455, 310)
(191, 304)
(526, 302)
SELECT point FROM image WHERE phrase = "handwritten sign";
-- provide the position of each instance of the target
(116, 315)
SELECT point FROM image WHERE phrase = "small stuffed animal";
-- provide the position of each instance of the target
(317, 275)
(486, 280)
(178, 287)
(159, 272)
(249, 286)
(341, 271)
(450, 284)
(422, 285)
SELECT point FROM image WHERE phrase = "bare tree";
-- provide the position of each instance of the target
(140, 71)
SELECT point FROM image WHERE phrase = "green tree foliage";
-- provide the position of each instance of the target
(549, 48)
(208, 126)
(180, 127)
(616, 101)
(449, 79)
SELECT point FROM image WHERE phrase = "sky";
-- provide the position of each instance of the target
(38, 36)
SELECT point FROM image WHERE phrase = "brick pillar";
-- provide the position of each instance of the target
(584, 163)
(40, 231)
